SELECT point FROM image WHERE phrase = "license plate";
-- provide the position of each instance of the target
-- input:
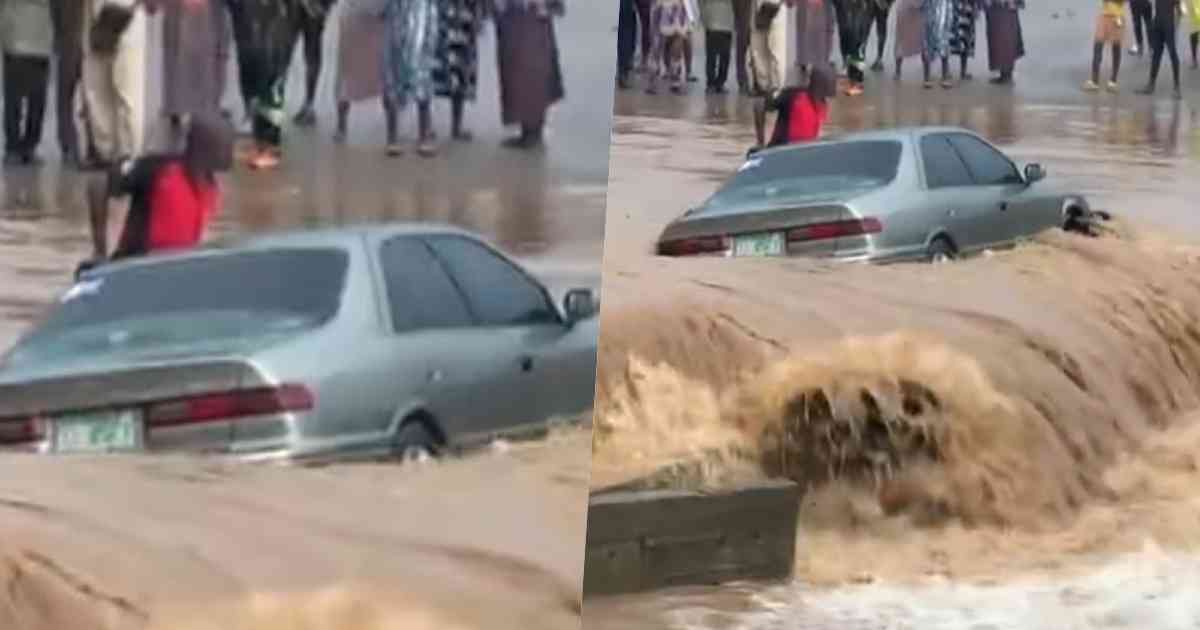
(769, 244)
(99, 432)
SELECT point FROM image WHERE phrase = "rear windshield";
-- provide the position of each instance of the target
(819, 169)
(189, 301)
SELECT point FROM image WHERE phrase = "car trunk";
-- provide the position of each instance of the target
(807, 230)
(185, 401)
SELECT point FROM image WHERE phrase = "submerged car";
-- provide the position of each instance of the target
(884, 196)
(394, 340)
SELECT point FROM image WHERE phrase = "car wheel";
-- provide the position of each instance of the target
(941, 250)
(414, 443)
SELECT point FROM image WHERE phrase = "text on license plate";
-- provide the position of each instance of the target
(98, 432)
(768, 244)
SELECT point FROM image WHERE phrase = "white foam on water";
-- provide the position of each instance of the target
(1150, 589)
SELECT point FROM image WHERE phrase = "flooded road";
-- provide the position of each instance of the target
(1025, 447)
(86, 543)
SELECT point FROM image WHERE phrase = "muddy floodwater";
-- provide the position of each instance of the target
(1005, 442)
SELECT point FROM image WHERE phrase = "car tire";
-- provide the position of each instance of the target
(941, 250)
(414, 443)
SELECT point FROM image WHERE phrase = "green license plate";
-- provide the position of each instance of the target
(98, 432)
(769, 244)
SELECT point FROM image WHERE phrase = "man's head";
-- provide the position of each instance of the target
(209, 146)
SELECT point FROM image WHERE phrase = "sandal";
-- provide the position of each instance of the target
(426, 148)
(394, 150)
(264, 160)
(947, 84)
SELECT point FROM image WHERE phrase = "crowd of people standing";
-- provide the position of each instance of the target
(401, 52)
(738, 31)
(937, 32)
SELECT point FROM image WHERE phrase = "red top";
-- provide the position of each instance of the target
(804, 123)
(180, 210)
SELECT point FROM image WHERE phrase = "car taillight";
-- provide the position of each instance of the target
(17, 431)
(694, 246)
(231, 405)
(835, 229)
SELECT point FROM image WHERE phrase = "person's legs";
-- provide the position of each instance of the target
(689, 56)
(12, 107)
(1170, 40)
(1116, 63)
(425, 146)
(724, 49)
(343, 121)
(880, 15)
(392, 111)
(458, 107)
(710, 59)
(647, 30)
(312, 29)
(1097, 59)
(37, 87)
(1140, 12)
(1195, 40)
(1156, 53)
(626, 40)
(741, 24)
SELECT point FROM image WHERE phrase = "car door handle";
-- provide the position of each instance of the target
(1003, 206)
(526, 364)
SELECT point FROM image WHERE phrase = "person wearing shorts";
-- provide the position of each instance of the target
(1110, 33)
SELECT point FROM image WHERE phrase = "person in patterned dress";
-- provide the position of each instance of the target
(410, 62)
(457, 74)
(672, 25)
(962, 36)
(939, 26)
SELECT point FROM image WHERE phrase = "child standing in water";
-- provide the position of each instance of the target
(1110, 31)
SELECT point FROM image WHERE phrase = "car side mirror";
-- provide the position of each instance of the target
(580, 304)
(1034, 173)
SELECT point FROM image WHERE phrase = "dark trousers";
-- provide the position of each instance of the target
(627, 30)
(26, 82)
(643, 12)
(1142, 12)
(67, 17)
(265, 38)
(1162, 35)
(718, 46)
(741, 24)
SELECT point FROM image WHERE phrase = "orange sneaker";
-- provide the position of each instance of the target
(264, 160)
(854, 90)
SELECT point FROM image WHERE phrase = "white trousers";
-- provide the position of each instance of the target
(114, 90)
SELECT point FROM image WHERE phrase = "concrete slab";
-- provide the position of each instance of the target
(641, 540)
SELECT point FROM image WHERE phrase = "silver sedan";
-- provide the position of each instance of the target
(402, 340)
(904, 194)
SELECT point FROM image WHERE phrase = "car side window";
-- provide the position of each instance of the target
(988, 166)
(498, 292)
(943, 166)
(420, 292)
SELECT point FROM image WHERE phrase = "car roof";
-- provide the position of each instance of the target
(898, 134)
(345, 237)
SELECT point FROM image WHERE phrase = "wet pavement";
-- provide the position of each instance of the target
(1132, 155)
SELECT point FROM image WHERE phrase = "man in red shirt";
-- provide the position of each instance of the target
(172, 198)
(800, 112)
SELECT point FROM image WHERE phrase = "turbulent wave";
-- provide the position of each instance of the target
(997, 392)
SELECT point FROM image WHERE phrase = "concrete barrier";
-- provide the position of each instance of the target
(639, 540)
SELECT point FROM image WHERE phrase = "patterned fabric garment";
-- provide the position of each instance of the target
(939, 25)
(541, 8)
(670, 17)
(1018, 5)
(457, 74)
(962, 39)
(410, 51)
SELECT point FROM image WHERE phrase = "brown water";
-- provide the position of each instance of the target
(981, 441)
